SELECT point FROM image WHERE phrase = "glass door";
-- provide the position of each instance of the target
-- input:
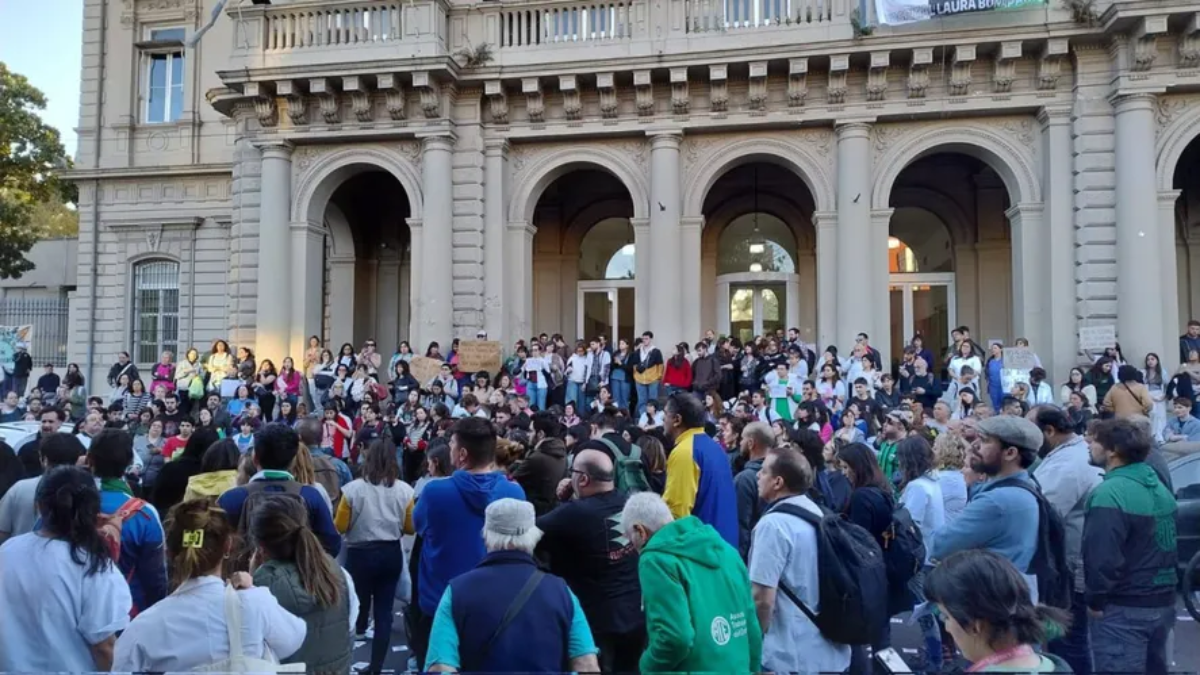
(922, 303)
(606, 308)
(757, 309)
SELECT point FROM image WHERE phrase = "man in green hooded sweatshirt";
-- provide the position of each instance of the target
(695, 591)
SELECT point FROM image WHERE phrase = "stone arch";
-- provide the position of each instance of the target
(1014, 164)
(596, 212)
(546, 168)
(783, 209)
(953, 218)
(341, 235)
(1172, 143)
(702, 175)
(317, 185)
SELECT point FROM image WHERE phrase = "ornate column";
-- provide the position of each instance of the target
(1169, 273)
(495, 215)
(856, 292)
(1029, 278)
(518, 278)
(689, 290)
(881, 225)
(826, 223)
(1139, 285)
(966, 288)
(308, 260)
(666, 300)
(1059, 223)
(642, 270)
(791, 315)
(273, 328)
(723, 326)
(436, 302)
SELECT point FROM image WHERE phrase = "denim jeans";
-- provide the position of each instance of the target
(646, 392)
(537, 397)
(1132, 639)
(376, 568)
(575, 395)
(620, 390)
(1074, 647)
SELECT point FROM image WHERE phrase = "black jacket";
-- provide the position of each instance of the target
(117, 369)
(22, 365)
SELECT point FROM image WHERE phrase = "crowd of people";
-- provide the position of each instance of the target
(601, 508)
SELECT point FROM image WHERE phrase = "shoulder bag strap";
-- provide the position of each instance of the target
(811, 519)
(513, 610)
(612, 446)
(233, 626)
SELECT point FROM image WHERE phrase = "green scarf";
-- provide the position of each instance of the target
(115, 485)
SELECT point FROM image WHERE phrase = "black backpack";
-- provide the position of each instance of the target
(853, 579)
(1054, 579)
(903, 548)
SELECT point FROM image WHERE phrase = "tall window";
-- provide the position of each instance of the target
(163, 58)
(155, 309)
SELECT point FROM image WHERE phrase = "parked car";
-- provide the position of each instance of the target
(1185, 476)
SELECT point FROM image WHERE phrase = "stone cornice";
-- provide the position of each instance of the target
(181, 171)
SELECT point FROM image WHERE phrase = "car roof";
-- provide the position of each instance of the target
(18, 432)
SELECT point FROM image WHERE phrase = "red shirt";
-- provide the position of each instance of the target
(173, 443)
(678, 376)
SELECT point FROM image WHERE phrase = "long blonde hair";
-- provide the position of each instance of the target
(302, 467)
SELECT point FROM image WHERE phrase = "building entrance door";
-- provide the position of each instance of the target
(606, 308)
(924, 304)
(756, 309)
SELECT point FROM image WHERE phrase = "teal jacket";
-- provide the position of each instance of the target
(699, 613)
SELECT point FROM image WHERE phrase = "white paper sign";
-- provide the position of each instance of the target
(1097, 338)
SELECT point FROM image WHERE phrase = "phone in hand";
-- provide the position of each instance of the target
(890, 660)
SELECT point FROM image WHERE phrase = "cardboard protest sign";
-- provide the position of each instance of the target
(425, 369)
(477, 355)
(1019, 358)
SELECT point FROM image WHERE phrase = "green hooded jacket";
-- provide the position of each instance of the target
(699, 613)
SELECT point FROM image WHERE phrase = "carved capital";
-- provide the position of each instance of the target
(497, 101)
(1050, 63)
(1189, 43)
(606, 86)
(535, 105)
(680, 100)
(427, 87)
(877, 76)
(718, 77)
(360, 98)
(326, 97)
(297, 108)
(1004, 70)
(839, 67)
(797, 82)
(960, 70)
(644, 92)
(396, 100)
(918, 72)
(572, 106)
(264, 103)
(1145, 42)
(758, 86)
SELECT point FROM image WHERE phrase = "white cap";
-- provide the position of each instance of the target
(509, 517)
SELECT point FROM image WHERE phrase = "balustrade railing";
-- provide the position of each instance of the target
(569, 22)
(315, 26)
(706, 16)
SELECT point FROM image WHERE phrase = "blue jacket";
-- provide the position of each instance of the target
(319, 517)
(449, 519)
(1001, 519)
(700, 483)
(143, 560)
(1189, 427)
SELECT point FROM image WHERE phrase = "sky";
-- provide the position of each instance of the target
(48, 52)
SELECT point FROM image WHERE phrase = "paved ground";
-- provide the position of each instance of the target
(905, 638)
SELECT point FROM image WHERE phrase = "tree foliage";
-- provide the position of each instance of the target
(32, 159)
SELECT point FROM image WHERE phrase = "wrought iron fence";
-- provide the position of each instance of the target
(49, 318)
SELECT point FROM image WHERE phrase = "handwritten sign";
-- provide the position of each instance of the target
(1097, 338)
(477, 355)
(425, 369)
(1019, 358)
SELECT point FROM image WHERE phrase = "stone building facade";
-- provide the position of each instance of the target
(420, 170)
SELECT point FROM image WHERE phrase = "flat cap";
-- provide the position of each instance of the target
(1012, 430)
